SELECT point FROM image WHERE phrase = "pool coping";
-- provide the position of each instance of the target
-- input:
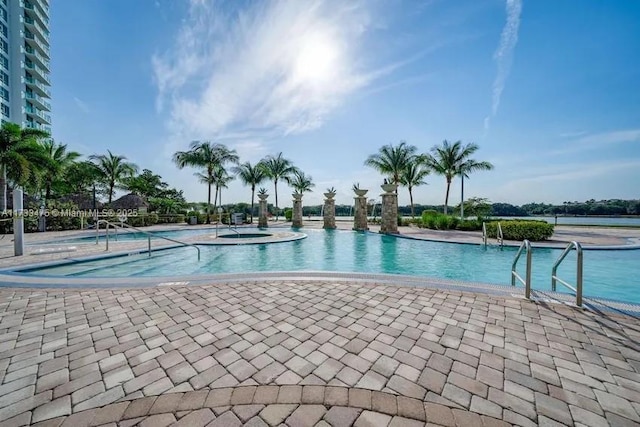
(13, 279)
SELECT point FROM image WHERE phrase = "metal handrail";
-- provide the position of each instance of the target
(554, 270)
(526, 245)
(484, 233)
(108, 224)
(500, 236)
(149, 236)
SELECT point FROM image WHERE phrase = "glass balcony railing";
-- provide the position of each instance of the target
(42, 73)
(31, 51)
(31, 38)
(38, 14)
(36, 83)
(44, 33)
(36, 98)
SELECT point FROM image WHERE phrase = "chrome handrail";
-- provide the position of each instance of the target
(526, 245)
(579, 262)
(500, 236)
(484, 233)
(107, 223)
(149, 236)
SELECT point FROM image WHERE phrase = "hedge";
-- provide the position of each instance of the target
(521, 229)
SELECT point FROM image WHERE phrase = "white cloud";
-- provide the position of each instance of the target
(277, 66)
(585, 142)
(81, 105)
(504, 55)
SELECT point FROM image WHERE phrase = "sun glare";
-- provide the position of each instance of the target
(316, 60)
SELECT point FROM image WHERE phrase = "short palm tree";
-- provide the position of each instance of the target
(250, 175)
(276, 168)
(391, 161)
(208, 156)
(114, 170)
(57, 161)
(447, 160)
(16, 144)
(413, 176)
(300, 182)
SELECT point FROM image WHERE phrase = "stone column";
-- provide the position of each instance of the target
(296, 219)
(360, 214)
(329, 211)
(262, 218)
(18, 223)
(389, 221)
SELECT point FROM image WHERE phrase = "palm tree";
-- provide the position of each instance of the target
(392, 161)
(413, 176)
(250, 175)
(447, 160)
(464, 169)
(114, 169)
(206, 155)
(58, 160)
(221, 180)
(300, 182)
(15, 145)
(276, 168)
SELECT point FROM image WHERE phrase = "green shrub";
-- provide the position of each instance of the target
(428, 213)
(521, 229)
(470, 225)
(400, 221)
(288, 214)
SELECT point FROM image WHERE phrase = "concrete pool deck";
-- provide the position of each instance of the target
(309, 352)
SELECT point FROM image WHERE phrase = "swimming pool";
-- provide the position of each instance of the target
(608, 274)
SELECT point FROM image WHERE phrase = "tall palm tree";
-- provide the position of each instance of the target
(391, 161)
(250, 175)
(277, 168)
(58, 160)
(413, 176)
(221, 179)
(447, 159)
(464, 169)
(206, 155)
(15, 145)
(300, 182)
(114, 169)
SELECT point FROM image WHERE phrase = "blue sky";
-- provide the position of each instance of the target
(547, 88)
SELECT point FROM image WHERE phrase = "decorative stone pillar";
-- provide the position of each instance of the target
(360, 214)
(329, 211)
(297, 210)
(262, 218)
(389, 221)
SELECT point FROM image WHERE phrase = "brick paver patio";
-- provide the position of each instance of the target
(311, 353)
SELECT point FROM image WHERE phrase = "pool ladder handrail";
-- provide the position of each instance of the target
(107, 224)
(579, 263)
(148, 234)
(499, 235)
(526, 245)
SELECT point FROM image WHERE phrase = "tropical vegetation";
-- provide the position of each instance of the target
(451, 160)
(277, 168)
(211, 158)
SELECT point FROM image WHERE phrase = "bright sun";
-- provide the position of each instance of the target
(316, 60)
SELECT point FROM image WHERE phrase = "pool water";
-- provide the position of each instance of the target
(609, 274)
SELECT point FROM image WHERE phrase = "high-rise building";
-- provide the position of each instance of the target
(24, 63)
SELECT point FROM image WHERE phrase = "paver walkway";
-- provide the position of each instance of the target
(424, 355)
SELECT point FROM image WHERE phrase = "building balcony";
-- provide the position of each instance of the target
(35, 56)
(36, 13)
(35, 42)
(37, 86)
(39, 72)
(33, 26)
(38, 101)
